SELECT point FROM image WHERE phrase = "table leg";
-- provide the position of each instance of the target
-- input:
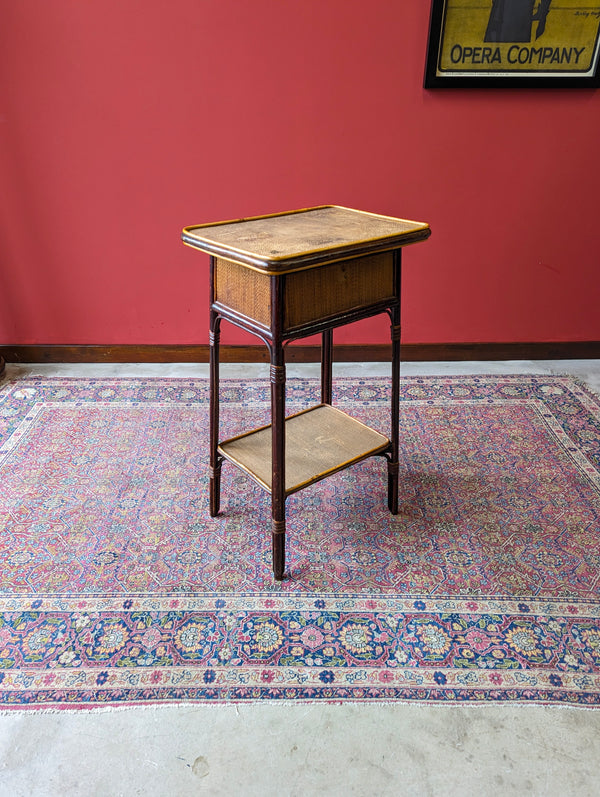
(215, 459)
(326, 365)
(277, 373)
(393, 466)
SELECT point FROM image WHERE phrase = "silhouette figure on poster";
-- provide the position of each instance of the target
(512, 20)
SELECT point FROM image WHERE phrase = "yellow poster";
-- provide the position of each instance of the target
(518, 37)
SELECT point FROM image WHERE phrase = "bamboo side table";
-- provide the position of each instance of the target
(287, 276)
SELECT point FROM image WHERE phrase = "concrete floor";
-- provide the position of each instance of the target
(303, 749)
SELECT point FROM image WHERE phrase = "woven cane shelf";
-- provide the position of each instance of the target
(318, 442)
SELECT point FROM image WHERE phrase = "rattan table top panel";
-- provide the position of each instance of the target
(299, 238)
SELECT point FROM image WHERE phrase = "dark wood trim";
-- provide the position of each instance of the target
(376, 352)
(2, 365)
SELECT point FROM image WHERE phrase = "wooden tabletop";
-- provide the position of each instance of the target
(298, 239)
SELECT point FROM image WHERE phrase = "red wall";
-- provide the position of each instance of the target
(122, 121)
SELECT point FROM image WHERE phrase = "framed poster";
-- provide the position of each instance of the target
(513, 43)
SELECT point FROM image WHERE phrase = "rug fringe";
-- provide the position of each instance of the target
(235, 705)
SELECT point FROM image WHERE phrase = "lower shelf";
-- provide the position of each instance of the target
(318, 442)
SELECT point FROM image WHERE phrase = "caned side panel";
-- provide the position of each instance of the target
(332, 289)
(244, 290)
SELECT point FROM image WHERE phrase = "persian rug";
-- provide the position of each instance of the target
(117, 588)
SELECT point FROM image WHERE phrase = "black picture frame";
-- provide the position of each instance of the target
(471, 44)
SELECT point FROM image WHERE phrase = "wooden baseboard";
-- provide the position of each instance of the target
(411, 352)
